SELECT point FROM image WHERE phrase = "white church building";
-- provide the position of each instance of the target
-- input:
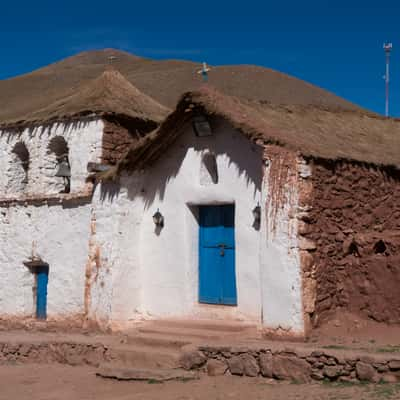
(202, 218)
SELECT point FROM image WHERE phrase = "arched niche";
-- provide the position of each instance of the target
(58, 169)
(18, 171)
(208, 169)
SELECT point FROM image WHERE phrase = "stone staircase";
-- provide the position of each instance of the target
(156, 346)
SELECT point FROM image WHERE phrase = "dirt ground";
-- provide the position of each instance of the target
(350, 331)
(59, 382)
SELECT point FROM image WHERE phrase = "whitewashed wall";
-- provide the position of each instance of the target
(59, 234)
(281, 274)
(84, 142)
(60, 237)
(155, 274)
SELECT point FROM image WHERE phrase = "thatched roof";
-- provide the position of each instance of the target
(108, 94)
(163, 80)
(313, 131)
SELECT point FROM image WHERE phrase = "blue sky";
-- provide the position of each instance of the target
(334, 44)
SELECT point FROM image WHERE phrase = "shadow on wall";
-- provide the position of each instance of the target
(152, 183)
(15, 133)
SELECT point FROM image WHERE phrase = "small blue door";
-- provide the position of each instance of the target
(42, 274)
(217, 278)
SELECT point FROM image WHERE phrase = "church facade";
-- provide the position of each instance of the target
(221, 212)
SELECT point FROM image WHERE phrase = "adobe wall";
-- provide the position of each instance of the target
(282, 272)
(119, 134)
(57, 233)
(354, 224)
(146, 272)
(36, 220)
(83, 139)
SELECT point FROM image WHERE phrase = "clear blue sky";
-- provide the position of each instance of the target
(334, 44)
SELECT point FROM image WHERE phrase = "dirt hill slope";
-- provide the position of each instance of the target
(165, 81)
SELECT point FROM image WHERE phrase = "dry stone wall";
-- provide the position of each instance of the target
(297, 365)
(351, 241)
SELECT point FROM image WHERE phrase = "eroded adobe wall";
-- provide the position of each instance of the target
(288, 289)
(354, 223)
(119, 134)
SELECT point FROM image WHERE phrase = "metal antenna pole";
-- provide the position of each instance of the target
(388, 48)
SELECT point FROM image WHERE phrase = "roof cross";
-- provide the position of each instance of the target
(204, 71)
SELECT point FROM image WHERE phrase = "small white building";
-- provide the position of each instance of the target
(205, 217)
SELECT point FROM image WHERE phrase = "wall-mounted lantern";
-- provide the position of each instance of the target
(158, 219)
(64, 170)
(201, 126)
(257, 214)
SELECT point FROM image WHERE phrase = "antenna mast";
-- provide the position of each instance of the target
(388, 48)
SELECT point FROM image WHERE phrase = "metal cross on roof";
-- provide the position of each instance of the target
(111, 59)
(204, 72)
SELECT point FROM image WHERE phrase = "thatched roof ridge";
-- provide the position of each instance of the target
(313, 131)
(109, 94)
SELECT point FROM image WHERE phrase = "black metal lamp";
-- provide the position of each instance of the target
(158, 219)
(201, 126)
(64, 169)
(257, 213)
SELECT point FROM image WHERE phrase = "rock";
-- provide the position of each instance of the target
(382, 368)
(394, 365)
(306, 244)
(266, 365)
(192, 359)
(250, 365)
(331, 361)
(293, 368)
(216, 367)
(346, 379)
(236, 365)
(306, 260)
(311, 360)
(365, 372)
(318, 376)
(332, 372)
(388, 378)
(319, 364)
(309, 294)
(159, 375)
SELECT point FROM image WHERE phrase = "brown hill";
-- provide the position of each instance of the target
(165, 81)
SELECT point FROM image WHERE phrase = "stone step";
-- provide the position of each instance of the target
(204, 324)
(142, 356)
(194, 333)
(162, 340)
(139, 374)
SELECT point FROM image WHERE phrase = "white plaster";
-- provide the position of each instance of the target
(84, 140)
(280, 261)
(60, 237)
(155, 275)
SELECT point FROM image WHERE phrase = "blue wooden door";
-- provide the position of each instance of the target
(41, 292)
(217, 277)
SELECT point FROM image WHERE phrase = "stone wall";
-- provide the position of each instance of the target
(351, 234)
(297, 365)
(54, 352)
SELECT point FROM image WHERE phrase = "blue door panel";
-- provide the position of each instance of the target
(229, 281)
(41, 293)
(228, 221)
(211, 234)
(217, 277)
(210, 275)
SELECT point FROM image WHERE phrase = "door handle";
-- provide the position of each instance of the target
(222, 249)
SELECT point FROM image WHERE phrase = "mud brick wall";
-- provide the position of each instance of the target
(354, 222)
(119, 134)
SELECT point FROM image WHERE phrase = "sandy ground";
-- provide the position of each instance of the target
(58, 382)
